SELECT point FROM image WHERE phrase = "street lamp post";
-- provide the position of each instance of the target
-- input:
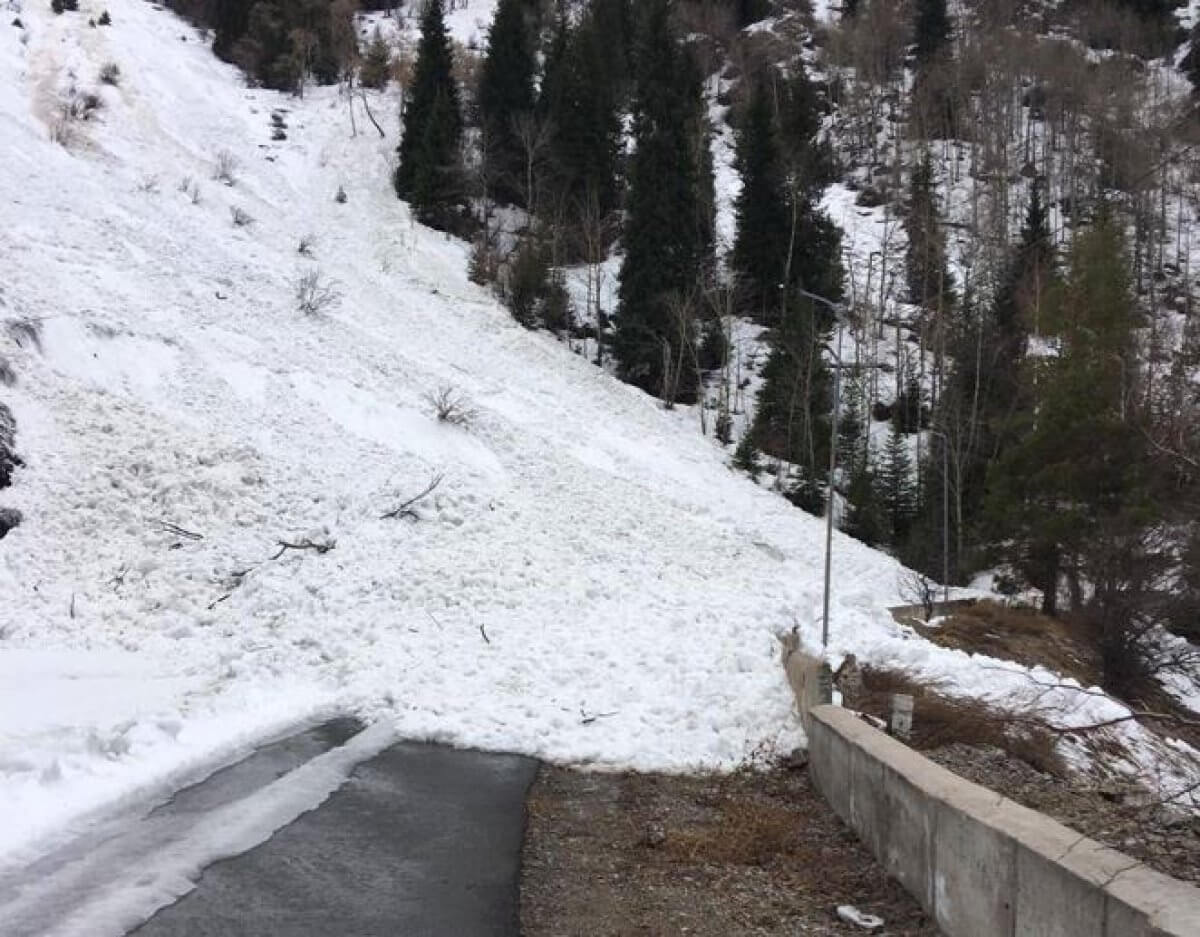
(945, 512)
(839, 312)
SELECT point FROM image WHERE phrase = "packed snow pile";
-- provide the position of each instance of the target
(215, 543)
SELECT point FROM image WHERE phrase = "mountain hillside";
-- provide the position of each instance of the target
(214, 542)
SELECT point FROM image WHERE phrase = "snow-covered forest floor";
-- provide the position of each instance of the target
(204, 560)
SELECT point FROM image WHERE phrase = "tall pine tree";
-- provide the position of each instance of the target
(580, 100)
(760, 249)
(1075, 464)
(931, 30)
(930, 284)
(429, 172)
(506, 97)
(232, 17)
(664, 235)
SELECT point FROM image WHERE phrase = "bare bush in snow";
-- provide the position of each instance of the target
(226, 167)
(315, 294)
(452, 406)
(110, 73)
(191, 189)
(305, 247)
(241, 218)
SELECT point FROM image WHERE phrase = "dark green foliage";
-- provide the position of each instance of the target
(281, 43)
(851, 432)
(506, 97)
(986, 398)
(429, 174)
(910, 412)
(59, 6)
(745, 457)
(1017, 308)
(897, 486)
(231, 21)
(849, 9)
(792, 418)
(931, 30)
(375, 71)
(582, 92)
(1075, 466)
(930, 284)
(749, 11)
(714, 346)
(808, 493)
(809, 160)
(536, 293)
(105, 19)
(1191, 60)
(866, 516)
(1151, 9)
(760, 251)
(666, 237)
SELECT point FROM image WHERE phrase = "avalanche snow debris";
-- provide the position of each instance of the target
(586, 551)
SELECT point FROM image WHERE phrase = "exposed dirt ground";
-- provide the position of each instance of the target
(1164, 840)
(756, 853)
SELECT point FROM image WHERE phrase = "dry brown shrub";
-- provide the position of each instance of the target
(940, 720)
(746, 831)
(1018, 634)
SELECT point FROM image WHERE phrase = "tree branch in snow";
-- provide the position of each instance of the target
(367, 107)
(322, 546)
(168, 527)
(483, 632)
(406, 509)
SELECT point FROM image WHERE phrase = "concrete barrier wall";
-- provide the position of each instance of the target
(808, 677)
(980, 864)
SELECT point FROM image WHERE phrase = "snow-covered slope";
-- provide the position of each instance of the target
(589, 583)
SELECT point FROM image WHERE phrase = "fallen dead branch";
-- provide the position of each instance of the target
(318, 546)
(406, 509)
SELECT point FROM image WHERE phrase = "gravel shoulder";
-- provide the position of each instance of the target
(754, 853)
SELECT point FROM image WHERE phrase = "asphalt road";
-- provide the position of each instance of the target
(422, 841)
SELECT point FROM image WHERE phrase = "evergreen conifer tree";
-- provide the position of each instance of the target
(791, 421)
(231, 19)
(763, 224)
(506, 93)
(429, 170)
(897, 486)
(930, 284)
(932, 30)
(580, 104)
(377, 62)
(665, 250)
(866, 517)
(1076, 462)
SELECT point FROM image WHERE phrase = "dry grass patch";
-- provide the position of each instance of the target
(939, 720)
(745, 831)
(1023, 635)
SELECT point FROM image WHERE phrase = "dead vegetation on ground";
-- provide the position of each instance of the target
(757, 852)
(1019, 634)
(939, 720)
